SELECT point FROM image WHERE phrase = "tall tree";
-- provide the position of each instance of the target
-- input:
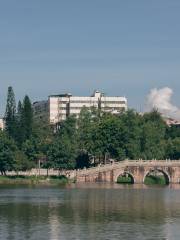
(27, 118)
(19, 130)
(19, 111)
(10, 113)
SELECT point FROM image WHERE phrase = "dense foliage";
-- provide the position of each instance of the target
(93, 138)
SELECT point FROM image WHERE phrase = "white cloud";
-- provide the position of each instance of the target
(161, 100)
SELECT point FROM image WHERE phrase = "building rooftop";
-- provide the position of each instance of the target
(95, 94)
(61, 95)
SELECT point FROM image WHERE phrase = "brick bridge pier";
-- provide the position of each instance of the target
(137, 169)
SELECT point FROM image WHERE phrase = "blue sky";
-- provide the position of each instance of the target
(119, 47)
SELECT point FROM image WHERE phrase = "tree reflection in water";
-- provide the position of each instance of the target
(96, 211)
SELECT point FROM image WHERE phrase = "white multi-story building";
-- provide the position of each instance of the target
(58, 107)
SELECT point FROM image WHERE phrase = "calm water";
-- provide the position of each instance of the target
(90, 212)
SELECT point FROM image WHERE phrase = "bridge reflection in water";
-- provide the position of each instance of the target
(137, 169)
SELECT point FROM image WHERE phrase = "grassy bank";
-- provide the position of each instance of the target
(34, 180)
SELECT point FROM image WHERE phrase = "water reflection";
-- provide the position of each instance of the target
(94, 211)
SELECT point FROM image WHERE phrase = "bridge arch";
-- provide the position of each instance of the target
(165, 174)
(124, 173)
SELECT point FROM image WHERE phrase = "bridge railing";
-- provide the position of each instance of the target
(100, 167)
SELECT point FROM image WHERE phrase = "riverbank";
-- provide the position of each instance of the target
(34, 180)
(60, 180)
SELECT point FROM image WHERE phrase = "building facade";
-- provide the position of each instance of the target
(59, 107)
(172, 122)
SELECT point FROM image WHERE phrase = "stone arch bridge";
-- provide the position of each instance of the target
(137, 169)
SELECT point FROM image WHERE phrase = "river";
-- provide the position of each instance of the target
(91, 211)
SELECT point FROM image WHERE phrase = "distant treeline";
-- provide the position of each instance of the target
(93, 138)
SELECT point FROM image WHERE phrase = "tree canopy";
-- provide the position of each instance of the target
(91, 139)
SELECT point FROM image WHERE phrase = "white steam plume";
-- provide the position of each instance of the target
(160, 99)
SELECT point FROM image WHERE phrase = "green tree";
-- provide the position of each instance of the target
(7, 153)
(83, 160)
(173, 131)
(108, 136)
(68, 128)
(44, 134)
(84, 127)
(10, 113)
(131, 134)
(26, 118)
(62, 154)
(173, 148)
(21, 162)
(19, 128)
(63, 150)
(31, 148)
(153, 136)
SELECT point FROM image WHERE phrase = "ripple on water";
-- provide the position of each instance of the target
(94, 211)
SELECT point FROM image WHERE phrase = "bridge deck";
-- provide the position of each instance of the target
(134, 163)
